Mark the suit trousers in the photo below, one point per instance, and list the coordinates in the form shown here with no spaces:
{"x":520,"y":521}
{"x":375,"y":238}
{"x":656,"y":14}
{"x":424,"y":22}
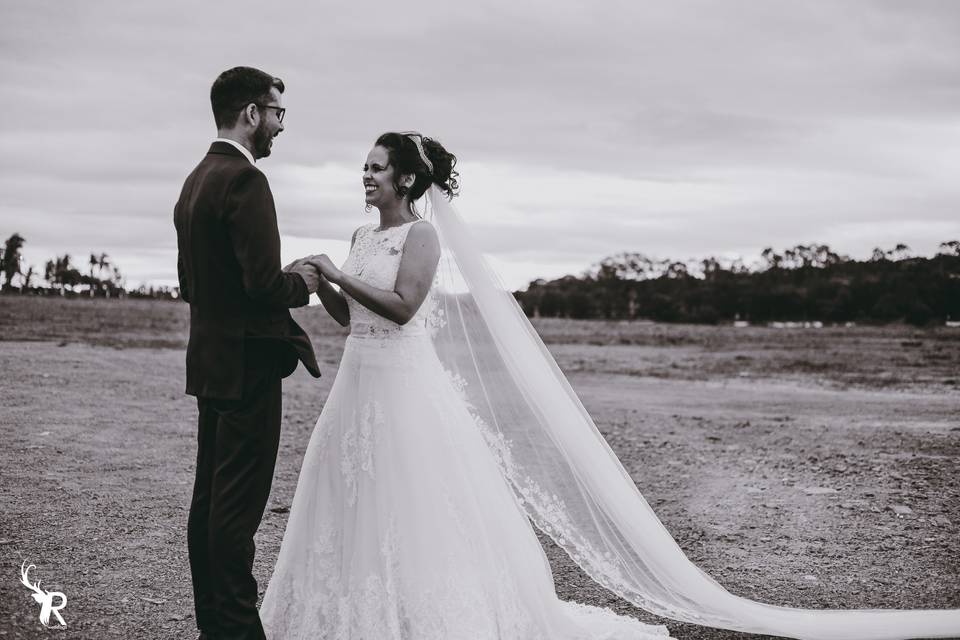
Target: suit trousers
{"x":236,"y":454}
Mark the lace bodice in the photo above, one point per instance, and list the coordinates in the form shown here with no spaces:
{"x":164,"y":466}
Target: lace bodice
{"x":375,"y":259}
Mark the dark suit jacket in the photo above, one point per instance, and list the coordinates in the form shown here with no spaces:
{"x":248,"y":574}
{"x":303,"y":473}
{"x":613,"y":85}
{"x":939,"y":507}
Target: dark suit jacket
{"x":229,"y":267}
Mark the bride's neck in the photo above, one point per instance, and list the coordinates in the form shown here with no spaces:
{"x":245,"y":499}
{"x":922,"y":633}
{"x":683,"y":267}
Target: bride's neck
{"x":396,"y":214}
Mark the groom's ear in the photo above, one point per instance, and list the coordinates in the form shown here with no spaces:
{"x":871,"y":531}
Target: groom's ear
{"x":251,"y":114}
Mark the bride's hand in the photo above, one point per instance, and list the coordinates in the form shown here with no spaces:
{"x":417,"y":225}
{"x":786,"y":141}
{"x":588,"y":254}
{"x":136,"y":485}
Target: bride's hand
{"x":325,"y":266}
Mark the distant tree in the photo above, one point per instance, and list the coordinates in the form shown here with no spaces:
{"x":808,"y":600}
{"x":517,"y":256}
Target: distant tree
{"x":61,"y":273}
{"x":677,"y":270}
{"x":899,"y":252}
{"x":63,"y":267}
{"x":11,"y":258}
{"x":772,"y":258}
{"x":119,"y":282}
{"x":50,"y":274}
{"x":737,"y":266}
{"x":103,"y":262}
{"x":803,"y":256}
{"x":28,"y":276}
{"x":93,"y":262}
{"x":70,"y":276}
{"x":823,"y":256}
{"x":711,"y":268}
{"x":790,"y":259}
{"x":950,"y":248}
{"x":624,"y":266}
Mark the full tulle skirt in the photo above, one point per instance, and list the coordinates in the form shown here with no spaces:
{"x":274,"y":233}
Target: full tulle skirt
{"x":403,"y":526}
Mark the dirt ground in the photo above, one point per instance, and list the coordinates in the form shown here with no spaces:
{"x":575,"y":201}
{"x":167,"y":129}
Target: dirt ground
{"x":814,"y":468}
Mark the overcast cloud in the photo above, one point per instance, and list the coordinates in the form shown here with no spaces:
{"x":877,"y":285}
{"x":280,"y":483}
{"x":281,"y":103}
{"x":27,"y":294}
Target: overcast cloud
{"x":677,"y":129}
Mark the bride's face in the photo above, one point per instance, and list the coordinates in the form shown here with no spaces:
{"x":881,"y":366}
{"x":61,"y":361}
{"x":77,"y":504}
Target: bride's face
{"x":378,"y":177}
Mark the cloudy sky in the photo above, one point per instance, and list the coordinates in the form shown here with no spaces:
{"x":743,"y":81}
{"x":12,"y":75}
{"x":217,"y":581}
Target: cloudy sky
{"x":675,"y":128}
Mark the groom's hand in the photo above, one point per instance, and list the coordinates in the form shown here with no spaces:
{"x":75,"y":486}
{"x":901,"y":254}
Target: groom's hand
{"x":325,"y":266}
{"x":306,"y":271}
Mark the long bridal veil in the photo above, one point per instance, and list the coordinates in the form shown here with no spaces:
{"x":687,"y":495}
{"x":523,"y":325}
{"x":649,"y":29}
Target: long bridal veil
{"x":569,"y":481}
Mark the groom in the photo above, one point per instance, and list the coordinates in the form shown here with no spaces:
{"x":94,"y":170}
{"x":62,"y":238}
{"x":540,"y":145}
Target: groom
{"x":242,"y":343}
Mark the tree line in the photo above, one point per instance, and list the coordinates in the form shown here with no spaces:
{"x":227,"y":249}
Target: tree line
{"x":63,"y":276}
{"x":98,"y":276}
{"x":802,"y":283}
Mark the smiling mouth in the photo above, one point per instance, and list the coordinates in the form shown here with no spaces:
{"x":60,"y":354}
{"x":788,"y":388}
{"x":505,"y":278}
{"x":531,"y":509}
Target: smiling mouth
{"x":369,"y":188}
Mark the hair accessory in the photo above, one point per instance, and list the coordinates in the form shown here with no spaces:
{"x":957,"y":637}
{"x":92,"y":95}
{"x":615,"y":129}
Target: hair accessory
{"x":418,"y":140}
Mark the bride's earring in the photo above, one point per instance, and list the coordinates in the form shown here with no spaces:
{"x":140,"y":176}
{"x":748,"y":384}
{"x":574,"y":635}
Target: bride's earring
{"x":368,"y":208}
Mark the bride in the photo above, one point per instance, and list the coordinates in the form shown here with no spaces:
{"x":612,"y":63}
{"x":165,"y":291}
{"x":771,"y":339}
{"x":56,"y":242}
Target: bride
{"x":448,"y":429}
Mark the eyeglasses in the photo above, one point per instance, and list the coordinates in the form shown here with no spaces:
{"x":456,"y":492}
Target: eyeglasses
{"x":280,"y":110}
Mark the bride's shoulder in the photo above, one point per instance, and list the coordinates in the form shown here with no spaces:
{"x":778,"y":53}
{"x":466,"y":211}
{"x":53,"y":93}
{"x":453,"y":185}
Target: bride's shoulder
{"x":422,"y":233}
{"x":422,"y":226}
{"x":422,"y":229}
{"x":358,"y":231}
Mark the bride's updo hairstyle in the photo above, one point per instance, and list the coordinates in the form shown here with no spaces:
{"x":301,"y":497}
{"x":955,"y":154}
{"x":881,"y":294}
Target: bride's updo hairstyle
{"x":434,"y":166}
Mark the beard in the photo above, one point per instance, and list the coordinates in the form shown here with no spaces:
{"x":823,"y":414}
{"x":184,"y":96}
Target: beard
{"x":261,"y":140}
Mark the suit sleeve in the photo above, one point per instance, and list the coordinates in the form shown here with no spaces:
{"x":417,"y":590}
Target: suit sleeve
{"x":182,"y":277}
{"x":251,"y":222}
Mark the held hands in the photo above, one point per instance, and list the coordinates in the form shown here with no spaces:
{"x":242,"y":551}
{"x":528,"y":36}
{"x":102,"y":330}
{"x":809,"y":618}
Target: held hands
{"x":322,"y":263}
{"x":306,"y":271}
{"x":313,"y":268}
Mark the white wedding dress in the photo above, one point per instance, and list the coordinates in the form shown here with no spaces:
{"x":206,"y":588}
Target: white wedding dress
{"x":403,"y":525}
{"x":441,"y":440}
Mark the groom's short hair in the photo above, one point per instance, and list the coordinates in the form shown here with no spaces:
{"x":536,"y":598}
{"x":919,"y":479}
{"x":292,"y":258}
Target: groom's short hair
{"x":235,"y":88}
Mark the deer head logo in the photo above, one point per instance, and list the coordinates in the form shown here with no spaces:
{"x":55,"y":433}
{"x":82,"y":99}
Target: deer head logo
{"x":43,"y":598}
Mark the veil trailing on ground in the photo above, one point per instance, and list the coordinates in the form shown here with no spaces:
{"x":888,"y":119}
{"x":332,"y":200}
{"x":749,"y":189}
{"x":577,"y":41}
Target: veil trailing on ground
{"x":569,"y":481}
